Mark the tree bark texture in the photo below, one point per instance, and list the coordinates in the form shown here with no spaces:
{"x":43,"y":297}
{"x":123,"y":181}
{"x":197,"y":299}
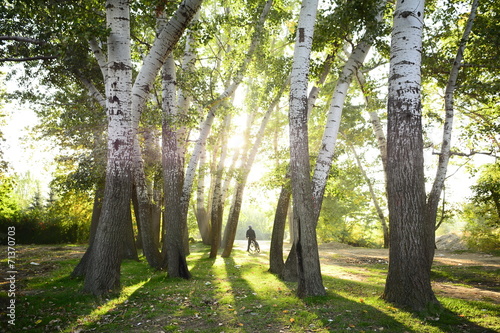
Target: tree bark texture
{"x":408,"y":282}
{"x":173,"y":176}
{"x":310,"y":282}
{"x":276,"y":262}
{"x":81,"y":268}
{"x":103,"y":273}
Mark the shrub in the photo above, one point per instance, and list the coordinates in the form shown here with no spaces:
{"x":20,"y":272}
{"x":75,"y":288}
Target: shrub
{"x":39,"y":226}
{"x":480,"y":233}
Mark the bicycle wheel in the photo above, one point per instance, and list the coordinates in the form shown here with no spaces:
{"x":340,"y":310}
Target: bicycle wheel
{"x":253,"y":248}
{"x":257,"y":247}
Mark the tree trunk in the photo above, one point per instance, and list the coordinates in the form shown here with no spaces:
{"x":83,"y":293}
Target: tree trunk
{"x":202,"y":215}
{"x":310,"y":282}
{"x":218,"y":196}
{"x":408,"y":282}
{"x":121,"y":98}
{"x":144,"y":218}
{"x":103,"y":269}
{"x":173,"y":177}
{"x":444,"y":156}
{"x":129,"y":243}
{"x":328,"y":143}
{"x":276,"y":262}
{"x":81,"y":268}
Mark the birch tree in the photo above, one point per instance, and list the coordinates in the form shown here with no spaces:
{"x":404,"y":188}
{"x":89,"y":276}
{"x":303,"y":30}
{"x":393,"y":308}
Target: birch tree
{"x":444,"y":156}
{"x":103,"y":270}
{"x":411,"y":235}
{"x":305,"y":242}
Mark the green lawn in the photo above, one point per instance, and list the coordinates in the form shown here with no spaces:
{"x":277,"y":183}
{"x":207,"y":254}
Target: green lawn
{"x":235,"y":294}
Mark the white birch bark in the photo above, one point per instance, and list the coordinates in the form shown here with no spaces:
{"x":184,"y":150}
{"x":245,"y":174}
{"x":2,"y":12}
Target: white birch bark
{"x":444,"y":157}
{"x":378,"y":129}
{"x":93,"y":92}
{"x":103,"y":273}
{"x":327,"y":150}
{"x":411,"y":236}
{"x":310,"y":282}
{"x":313,"y":94}
{"x":162,"y":46}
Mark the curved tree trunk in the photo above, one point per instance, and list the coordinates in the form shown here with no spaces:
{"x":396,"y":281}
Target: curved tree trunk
{"x":276,"y":262}
{"x":80,"y":269}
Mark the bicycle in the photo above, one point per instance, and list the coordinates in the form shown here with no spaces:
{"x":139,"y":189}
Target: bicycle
{"x":254,"y":247}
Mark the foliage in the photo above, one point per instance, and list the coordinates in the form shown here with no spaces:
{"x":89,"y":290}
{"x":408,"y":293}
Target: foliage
{"x":65,"y":220}
{"x":483,"y":214}
{"x":8,"y":206}
{"x":233,"y":295}
{"x":479,"y":234}
{"x":346,"y":216}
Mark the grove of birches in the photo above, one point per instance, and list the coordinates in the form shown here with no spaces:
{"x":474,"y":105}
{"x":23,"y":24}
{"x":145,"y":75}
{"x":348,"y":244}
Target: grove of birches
{"x":342,"y":121}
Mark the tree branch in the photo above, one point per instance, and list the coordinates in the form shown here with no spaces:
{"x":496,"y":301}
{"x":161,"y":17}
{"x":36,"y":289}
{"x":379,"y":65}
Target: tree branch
{"x":28,"y":58}
{"x":471,"y":153}
{"x":23,"y":39}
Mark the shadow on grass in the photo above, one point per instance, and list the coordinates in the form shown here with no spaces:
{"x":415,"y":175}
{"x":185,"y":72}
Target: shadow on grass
{"x":234,"y":294}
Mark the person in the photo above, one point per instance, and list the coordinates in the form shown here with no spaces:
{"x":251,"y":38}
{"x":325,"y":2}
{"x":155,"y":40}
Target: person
{"x":250,"y":236}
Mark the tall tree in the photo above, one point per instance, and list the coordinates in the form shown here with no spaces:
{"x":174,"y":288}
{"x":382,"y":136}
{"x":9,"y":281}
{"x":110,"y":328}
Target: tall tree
{"x":103,"y":270}
{"x":411,"y":235}
{"x":305,"y":242}
{"x":445,"y":154}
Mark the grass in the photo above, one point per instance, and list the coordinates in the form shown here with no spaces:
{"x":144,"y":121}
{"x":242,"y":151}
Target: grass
{"x":234,"y":294}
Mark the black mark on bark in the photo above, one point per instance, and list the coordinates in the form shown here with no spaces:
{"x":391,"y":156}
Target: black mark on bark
{"x":302,"y":35}
{"x":117,"y":143}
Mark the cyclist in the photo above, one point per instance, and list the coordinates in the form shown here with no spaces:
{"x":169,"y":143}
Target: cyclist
{"x":250,"y":236}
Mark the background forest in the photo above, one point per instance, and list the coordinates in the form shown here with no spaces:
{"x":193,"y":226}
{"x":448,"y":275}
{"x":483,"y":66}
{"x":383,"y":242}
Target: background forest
{"x":235,"y":62}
